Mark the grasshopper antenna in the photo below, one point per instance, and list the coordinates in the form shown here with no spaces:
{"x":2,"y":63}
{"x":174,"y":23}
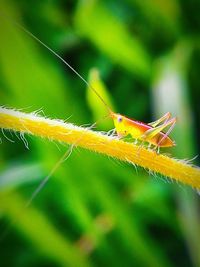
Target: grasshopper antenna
{"x":60,"y":58}
{"x":65,"y":156}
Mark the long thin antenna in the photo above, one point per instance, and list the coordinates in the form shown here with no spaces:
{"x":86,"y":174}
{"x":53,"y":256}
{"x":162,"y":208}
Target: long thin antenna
{"x":60,"y":58}
{"x":69,"y":151}
{"x":65,"y":156}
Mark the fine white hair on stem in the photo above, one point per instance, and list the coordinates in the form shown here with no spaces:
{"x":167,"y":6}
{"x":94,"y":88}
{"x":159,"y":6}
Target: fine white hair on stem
{"x":38,"y":112}
{"x":66,"y":120}
{"x":101,"y":143}
{"x":17,"y":134}
{"x":56,"y":144}
{"x":12,"y":141}
{"x":134,"y":165}
{"x":190,"y":161}
{"x":167,"y":180}
{"x":153,"y":174}
{"x":24,"y":140}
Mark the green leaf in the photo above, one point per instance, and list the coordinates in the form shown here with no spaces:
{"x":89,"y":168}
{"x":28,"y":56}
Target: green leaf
{"x":112,"y":38}
{"x":99,"y":110}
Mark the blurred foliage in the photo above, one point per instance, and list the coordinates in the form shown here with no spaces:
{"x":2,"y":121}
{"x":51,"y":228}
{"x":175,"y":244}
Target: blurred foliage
{"x":95,"y":211}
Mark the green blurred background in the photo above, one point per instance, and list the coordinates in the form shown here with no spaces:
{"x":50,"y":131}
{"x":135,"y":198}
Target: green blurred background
{"x":96,"y":211}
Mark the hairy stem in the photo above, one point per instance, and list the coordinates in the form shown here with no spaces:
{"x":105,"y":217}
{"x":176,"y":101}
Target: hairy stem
{"x":101,"y":143}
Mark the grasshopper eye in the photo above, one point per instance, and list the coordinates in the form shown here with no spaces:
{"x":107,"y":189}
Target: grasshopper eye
{"x":119,"y":119}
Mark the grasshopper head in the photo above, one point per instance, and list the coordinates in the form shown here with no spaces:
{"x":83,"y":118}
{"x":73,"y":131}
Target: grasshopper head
{"x":119,"y":122}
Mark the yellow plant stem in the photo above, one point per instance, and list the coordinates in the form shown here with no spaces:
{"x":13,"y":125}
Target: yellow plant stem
{"x":101,"y":143}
